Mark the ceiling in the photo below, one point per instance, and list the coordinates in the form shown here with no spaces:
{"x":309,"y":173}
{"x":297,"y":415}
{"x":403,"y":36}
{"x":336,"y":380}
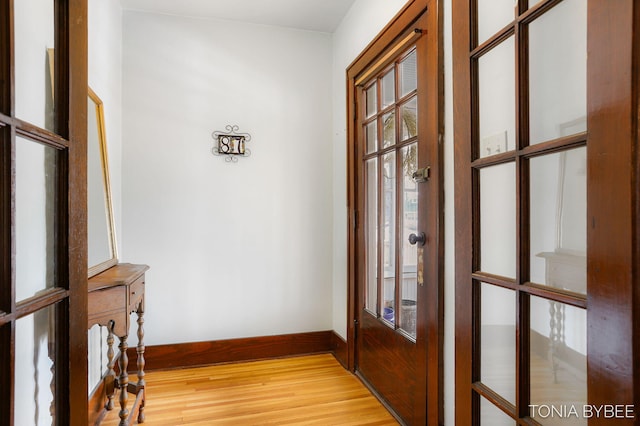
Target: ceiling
{"x":312,"y":15}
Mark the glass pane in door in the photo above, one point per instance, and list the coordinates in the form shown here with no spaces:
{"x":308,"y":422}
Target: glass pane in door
{"x":490,"y":415}
{"x":34,"y":368}
{"x":409,"y":283}
{"x":388,"y":89}
{"x":371,"y":95}
{"x":558,"y":72}
{"x":497,"y":94}
{"x":389,"y":236}
{"x":388,"y":129}
{"x":498,"y":220}
{"x":35,"y":204}
{"x":34,"y":35}
{"x":408,"y":78}
{"x":409,"y":119}
{"x":371,"y":131}
{"x":371,"y":220}
{"x":558,"y":220}
{"x":493,"y":15}
{"x":558,"y":357}
{"x":498,"y":340}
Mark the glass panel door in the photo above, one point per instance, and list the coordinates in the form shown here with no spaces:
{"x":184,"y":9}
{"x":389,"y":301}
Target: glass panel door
{"x":42,"y":191}
{"x":528,"y":166}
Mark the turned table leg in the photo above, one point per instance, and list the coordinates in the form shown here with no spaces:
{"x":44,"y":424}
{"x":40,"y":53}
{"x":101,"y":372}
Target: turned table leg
{"x":123,"y":382}
{"x":111,"y":374}
{"x":140,"y":363}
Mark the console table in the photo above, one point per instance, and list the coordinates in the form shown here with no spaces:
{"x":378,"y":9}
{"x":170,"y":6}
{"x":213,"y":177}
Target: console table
{"x":113,"y":295}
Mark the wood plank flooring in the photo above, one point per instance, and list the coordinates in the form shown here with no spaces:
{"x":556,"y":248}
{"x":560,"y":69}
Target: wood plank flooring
{"x":309,"y":390}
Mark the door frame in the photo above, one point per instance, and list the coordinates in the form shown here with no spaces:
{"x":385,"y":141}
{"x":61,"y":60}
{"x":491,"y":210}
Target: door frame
{"x":432,"y":321}
{"x":613,"y":206}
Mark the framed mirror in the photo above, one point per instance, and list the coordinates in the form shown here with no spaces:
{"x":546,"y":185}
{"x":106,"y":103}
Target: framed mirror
{"x":103,"y":252}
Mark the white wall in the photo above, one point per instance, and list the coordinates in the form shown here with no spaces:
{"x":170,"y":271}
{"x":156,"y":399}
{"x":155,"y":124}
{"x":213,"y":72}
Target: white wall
{"x":235,"y":250}
{"x":105,"y":78}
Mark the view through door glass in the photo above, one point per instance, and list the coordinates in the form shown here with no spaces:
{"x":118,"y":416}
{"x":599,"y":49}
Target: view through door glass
{"x":529,"y":171}
{"x":390,"y":129}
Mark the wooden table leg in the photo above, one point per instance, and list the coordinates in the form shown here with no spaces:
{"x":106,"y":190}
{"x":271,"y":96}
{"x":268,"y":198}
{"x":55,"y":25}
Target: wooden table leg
{"x":123,"y":381}
{"x":140,"y":353}
{"x":111,"y":374}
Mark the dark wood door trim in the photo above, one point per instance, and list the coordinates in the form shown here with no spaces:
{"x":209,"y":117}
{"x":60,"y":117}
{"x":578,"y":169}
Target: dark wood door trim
{"x":612,"y":209}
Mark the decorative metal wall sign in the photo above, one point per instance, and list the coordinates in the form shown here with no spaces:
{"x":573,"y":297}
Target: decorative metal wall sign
{"x":231,"y":144}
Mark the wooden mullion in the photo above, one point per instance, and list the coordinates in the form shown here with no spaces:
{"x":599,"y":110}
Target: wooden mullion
{"x":494,"y":160}
{"x":493,"y":41}
{"x":497,"y":280}
{"x":33,"y":304}
{"x":555,"y":145}
{"x":40,"y":135}
{"x":522,"y":214}
{"x":495,"y":398}
{"x":555,"y":294}
{"x":6,"y":57}
{"x":526,"y":15}
{"x":7,"y":372}
{"x":7,"y":220}
{"x":380,"y":230}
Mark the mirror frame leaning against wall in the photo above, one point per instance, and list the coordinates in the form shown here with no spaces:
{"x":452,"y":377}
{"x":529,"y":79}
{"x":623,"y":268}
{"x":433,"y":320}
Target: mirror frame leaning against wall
{"x":107,"y":207}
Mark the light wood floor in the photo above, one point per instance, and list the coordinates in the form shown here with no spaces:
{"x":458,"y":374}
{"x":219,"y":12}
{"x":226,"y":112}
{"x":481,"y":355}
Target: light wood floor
{"x":309,"y":390}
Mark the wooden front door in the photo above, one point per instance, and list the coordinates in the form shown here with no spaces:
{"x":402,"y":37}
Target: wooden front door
{"x":546,"y":211}
{"x":398,"y":240}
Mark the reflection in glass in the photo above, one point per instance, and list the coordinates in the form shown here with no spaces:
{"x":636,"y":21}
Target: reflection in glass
{"x":371,"y":298}
{"x":408,"y":74}
{"x":372,"y":100}
{"x":34,"y":368}
{"x":558,"y":356}
{"x":558,"y":71}
{"x":34,"y":34}
{"x":409,"y":117}
{"x":498,"y":340}
{"x":388,"y":89}
{"x":389,"y":236}
{"x":490,"y":415}
{"x":498,"y":220}
{"x":389,"y":129}
{"x":409,"y":285}
{"x":372,"y":136}
{"x":493,"y":15}
{"x":558,"y":219}
{"x":496,"y":92}
{"x":35,"y":202}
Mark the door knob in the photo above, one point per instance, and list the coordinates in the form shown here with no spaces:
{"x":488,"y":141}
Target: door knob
{"x":420,"y":238}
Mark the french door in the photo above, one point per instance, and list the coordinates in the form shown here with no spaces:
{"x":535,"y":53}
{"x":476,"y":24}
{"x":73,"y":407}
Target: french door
{"x":43,"y":280}
{"x":398,"y":196}
{"x":545,"y":158}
